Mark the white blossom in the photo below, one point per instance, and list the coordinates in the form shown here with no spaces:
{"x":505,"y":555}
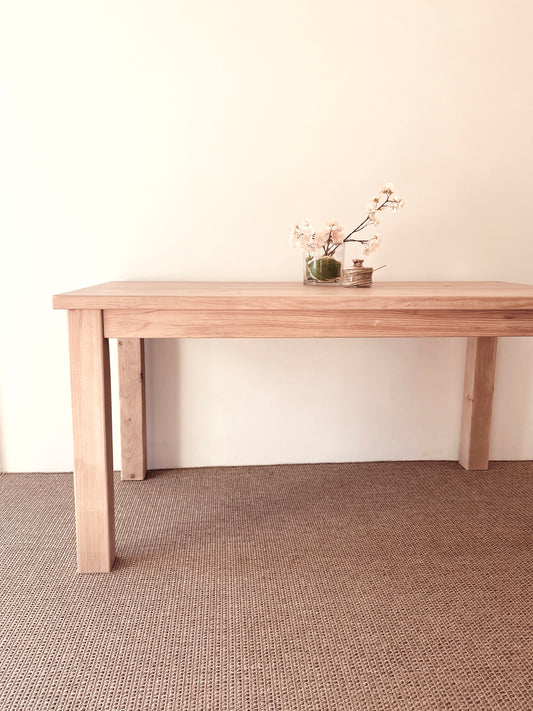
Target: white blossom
{"x":333,"y":232}
{"x":303,"y":235}
{"x":372,"y":244}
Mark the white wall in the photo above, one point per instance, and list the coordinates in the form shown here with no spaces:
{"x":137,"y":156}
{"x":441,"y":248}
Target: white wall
{"x":180,"y":140}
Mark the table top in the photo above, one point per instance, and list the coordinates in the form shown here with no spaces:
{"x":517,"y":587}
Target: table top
{"x":281,"y":296}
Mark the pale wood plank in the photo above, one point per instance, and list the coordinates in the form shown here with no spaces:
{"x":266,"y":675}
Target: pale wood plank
{"x":93,"y":450}
{"x":132,"y":408}
{"x":143,"y":323}
{"x":296,"y":296}
{"x":477,"y":402}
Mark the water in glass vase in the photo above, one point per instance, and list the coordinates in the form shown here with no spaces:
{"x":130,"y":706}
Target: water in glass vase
{"x":324,"y":270}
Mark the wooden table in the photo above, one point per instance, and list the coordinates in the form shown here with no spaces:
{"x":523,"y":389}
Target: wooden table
{"x":133,"y":311}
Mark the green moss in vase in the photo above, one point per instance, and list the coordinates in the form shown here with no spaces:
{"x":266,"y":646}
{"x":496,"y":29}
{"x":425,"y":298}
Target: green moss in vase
{"x":323,"y":268}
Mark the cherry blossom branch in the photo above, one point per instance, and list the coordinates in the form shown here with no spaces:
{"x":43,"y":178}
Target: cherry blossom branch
{"x":328,"y":240}
{"x":366,"y":220}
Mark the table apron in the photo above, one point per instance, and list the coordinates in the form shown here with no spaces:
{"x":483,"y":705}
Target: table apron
{"x":385,"y":323}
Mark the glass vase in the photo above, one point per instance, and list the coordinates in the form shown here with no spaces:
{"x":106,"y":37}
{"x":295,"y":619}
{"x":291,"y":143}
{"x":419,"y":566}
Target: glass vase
{"x":324,"y":270}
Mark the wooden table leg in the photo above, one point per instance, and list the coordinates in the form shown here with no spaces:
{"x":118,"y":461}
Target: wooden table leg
{"x":132,"y":407}
{"x":93,"y":449}
{"x":477,"y":402}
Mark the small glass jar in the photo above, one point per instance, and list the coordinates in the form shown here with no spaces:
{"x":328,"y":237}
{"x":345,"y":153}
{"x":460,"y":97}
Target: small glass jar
{"x":324,"y":270}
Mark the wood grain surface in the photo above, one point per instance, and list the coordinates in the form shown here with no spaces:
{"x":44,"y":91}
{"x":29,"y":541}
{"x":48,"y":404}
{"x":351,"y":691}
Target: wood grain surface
{"x":132,"y":407}
{"x":164,"y":323}
{"x":93,"y":446}
{"x":234,"y":296}
{"x":478,"y":393}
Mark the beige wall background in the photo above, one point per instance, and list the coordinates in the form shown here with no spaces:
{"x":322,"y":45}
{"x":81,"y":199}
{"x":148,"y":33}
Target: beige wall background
{"x":180,"y":140}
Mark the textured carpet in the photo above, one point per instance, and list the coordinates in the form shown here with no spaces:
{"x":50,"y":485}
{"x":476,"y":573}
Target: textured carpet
{"x":372,"y":587}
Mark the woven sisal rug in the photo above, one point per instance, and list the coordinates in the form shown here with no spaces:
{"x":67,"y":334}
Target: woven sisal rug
{"x":383,"y":586}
